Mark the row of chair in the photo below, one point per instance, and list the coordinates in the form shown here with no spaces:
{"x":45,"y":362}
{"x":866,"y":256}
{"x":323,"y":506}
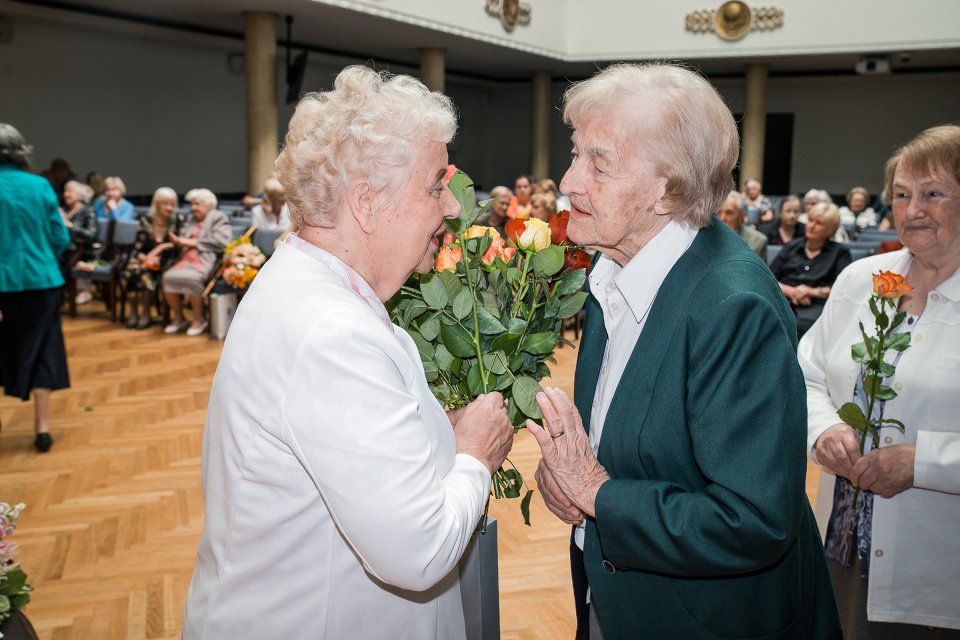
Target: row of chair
{"x":867,"y":244}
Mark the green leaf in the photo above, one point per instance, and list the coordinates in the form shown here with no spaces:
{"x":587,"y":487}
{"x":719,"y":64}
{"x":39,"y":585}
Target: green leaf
{"x":885,"y":393}
{"x":443,"y":358}
{"x":898,"y":320}
{"x":539,"y":343}
{"x":896,"y":424}
{"x":425,"y":347}
{"x":452,"y":283}
{"x":572,"y":305}
{"x":430,"y":328}
{"x":899,"y":342}
{"x":552,"y":308}
{"x":859,"y":352}
{"x":852,"y":414}
{"x":513,"y":275}
{"x":867,"y":344}
{"x":434,"y":292}
{"x":525,"y":390}
{"x":571,"y":282}
{"x":430,"y":371}
{"x":497,"y":362}
{"x":463,"y":303}
{"x":19,"y":601}
{"x":871,"y":384}
{"x":525,"y":507}
{"x":506,"y":342}
{"x":548,"y":261}
{"x":456,"y":339}
{"x":5,"y":605}
{"x":13,"y":582}
{"x":475,"y":380}
{"x":416,"y":309}
{"x":503,"y":382}
{"x":461,"y":186}
{"x":517,"y":326}
{"x":489,"y":325}
{"x":883,"y":322}
{"x":513,"y":412}
{"x":874,"y":309}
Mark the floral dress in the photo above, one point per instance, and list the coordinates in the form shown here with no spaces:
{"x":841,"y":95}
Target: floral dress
{"x":136,"y":275}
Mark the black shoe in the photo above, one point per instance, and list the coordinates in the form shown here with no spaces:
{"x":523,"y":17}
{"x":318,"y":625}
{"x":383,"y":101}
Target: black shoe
{"x":132,"y":321}
{"x":43,"y":442}
{"x":144,"y":323}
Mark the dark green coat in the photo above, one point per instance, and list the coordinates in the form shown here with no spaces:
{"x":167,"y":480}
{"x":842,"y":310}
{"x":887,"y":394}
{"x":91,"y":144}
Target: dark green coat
{"x":704,"y":530}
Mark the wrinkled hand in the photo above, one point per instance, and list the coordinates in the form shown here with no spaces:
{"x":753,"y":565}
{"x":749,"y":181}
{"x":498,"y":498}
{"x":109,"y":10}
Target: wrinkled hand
{"x":454,"y":415}
{"x":555,"y":499}
{"x":800,"y":296}
{"x":886,"y":471}
{"x":483,"y":431}
{"x":837,"y":449}
{"x":569,"y":457}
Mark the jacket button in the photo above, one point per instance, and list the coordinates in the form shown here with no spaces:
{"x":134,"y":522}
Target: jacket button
{"x":608,"y":566}
{"x":888,"y":440}
{"x":878,"y":553}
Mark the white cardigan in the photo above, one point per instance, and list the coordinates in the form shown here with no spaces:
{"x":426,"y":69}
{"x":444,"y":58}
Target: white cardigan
{"x":336,"y":504}
{"x":915,"y":562}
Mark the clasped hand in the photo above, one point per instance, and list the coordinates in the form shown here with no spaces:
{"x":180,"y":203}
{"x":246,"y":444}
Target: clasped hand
{"x":885,"y":471}
{"x":569,"y":475}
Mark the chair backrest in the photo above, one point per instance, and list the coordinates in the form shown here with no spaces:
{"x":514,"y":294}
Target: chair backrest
{"x":103,"y":230}
{"x":125,"y":232}
{"x":772,"y":251}
{"x":266,"y":239}
{"x":861,"y":249}
{"x":877,"y":236}
{"x":238,"y":228}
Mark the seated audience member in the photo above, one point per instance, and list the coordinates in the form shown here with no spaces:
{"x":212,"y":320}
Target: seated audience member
{"x":732,"y":215}
{"x":115,"y":206}
{"x":152,"y":253}
{"x":812,"y":198}
{"x":95,"y":181}
{"x":520,"y":203}
{"x":807,"y":267}
{"x":786,"y":227}
{"x":543,"y":205}
{"x":857,"y":212}
{"x":756,"y":206}
{"x":80,"y":219}
{"x":272,"y":212}
{"x":58,"y":174}
{"x":497,"y":213}
{"x":203,"y":240}
{"x":548,"y":185}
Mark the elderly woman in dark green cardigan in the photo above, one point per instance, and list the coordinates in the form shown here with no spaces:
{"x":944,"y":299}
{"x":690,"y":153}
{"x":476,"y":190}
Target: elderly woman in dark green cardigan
{"x":32,"y":236}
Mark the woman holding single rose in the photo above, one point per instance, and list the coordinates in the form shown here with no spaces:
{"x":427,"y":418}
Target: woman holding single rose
{"x":893,"y":555}
{"x":339,"y":494}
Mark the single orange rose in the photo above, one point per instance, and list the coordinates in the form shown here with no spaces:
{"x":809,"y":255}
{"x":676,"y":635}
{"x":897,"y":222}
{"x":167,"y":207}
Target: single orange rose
{"x":506,"y":253}
{"x":558,"y":227}
{"x":576,"y":259}
{"x":447,"y":258}
{"x":514,"y":229}
{"x":887,"y":284}
{"x":496,"y":250}
{"x":477,"y":231}
{"x":451,"y":169}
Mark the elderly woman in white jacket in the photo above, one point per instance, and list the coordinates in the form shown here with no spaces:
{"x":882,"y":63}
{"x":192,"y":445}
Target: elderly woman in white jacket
{"x":898,"y":573}
{"x":339,"y":495}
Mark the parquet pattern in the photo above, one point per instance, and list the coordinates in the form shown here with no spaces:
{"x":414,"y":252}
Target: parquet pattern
{"x":114,"y":511}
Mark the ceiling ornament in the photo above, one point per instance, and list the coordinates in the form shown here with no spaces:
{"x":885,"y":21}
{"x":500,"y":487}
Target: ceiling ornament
{"x":510,"y":12}
{"x":733,"y":20}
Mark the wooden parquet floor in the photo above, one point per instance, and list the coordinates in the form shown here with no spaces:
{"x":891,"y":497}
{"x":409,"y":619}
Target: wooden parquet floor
{"x":114,"y":511}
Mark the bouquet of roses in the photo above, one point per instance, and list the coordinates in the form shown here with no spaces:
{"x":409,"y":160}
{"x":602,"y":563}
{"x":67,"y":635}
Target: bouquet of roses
{"x":488,"y":317}
{"x":241,"y":262}
{"x":14,"y":590}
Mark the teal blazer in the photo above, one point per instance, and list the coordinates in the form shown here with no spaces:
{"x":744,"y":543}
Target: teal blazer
{"x":704,"y":530}
{"x":32,"y":233}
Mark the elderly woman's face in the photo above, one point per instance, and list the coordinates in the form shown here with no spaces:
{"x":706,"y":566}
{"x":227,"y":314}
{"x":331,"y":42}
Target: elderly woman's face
{"x":165,"y":208}
{"x":810,"y":203}
{"x":200,"y":208}
{"x":753,"y":190}
{"x":112,"y":191}
{"x":818,"y":229}
{"x":730,"y":214}
{"x":539,"y":210}
{"x":858,"y":202}
{"x":410,"y":227}
{"x":70,"y":197}
{"x":926,"y":212}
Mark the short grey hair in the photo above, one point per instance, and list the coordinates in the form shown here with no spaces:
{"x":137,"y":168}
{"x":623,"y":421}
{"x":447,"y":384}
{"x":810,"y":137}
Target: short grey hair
{"x":820,"y":194}
{"x":203,"y":195}
{"x":697,"y":146}
{"x":366,"y":129}
{"x":13,"y":148}
{"x":83,"y":191}
{"x":736,"y":197}
{"x":830,"y":214}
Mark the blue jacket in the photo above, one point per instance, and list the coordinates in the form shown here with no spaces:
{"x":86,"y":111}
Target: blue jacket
{"x":124,"y":211}
{"x":32,"y":233}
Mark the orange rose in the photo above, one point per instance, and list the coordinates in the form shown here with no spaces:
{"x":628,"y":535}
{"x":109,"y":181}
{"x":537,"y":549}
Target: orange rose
{"x":476,"y":231}
{"x":447,"y":258}
{"x":497,"y":250}
{"x":451,"y":169}
{"x":514,"y":229}
{"x":576,"y":259}
{"x":558,"y":227}
{"x":887,"y":284}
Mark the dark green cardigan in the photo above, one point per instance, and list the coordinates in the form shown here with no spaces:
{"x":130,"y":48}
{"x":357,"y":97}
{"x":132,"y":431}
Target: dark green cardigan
{"x":704,"y":530}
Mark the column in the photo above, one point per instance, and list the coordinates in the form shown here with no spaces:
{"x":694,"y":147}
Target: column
{"x":433,"y":69}
{"x":540,"y":125}
{"x":754,"y":124}
{"x":260,"y":61}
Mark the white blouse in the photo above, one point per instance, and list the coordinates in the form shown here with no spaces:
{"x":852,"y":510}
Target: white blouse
{"x":915,"y":563}
{"x":336,"y":504}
